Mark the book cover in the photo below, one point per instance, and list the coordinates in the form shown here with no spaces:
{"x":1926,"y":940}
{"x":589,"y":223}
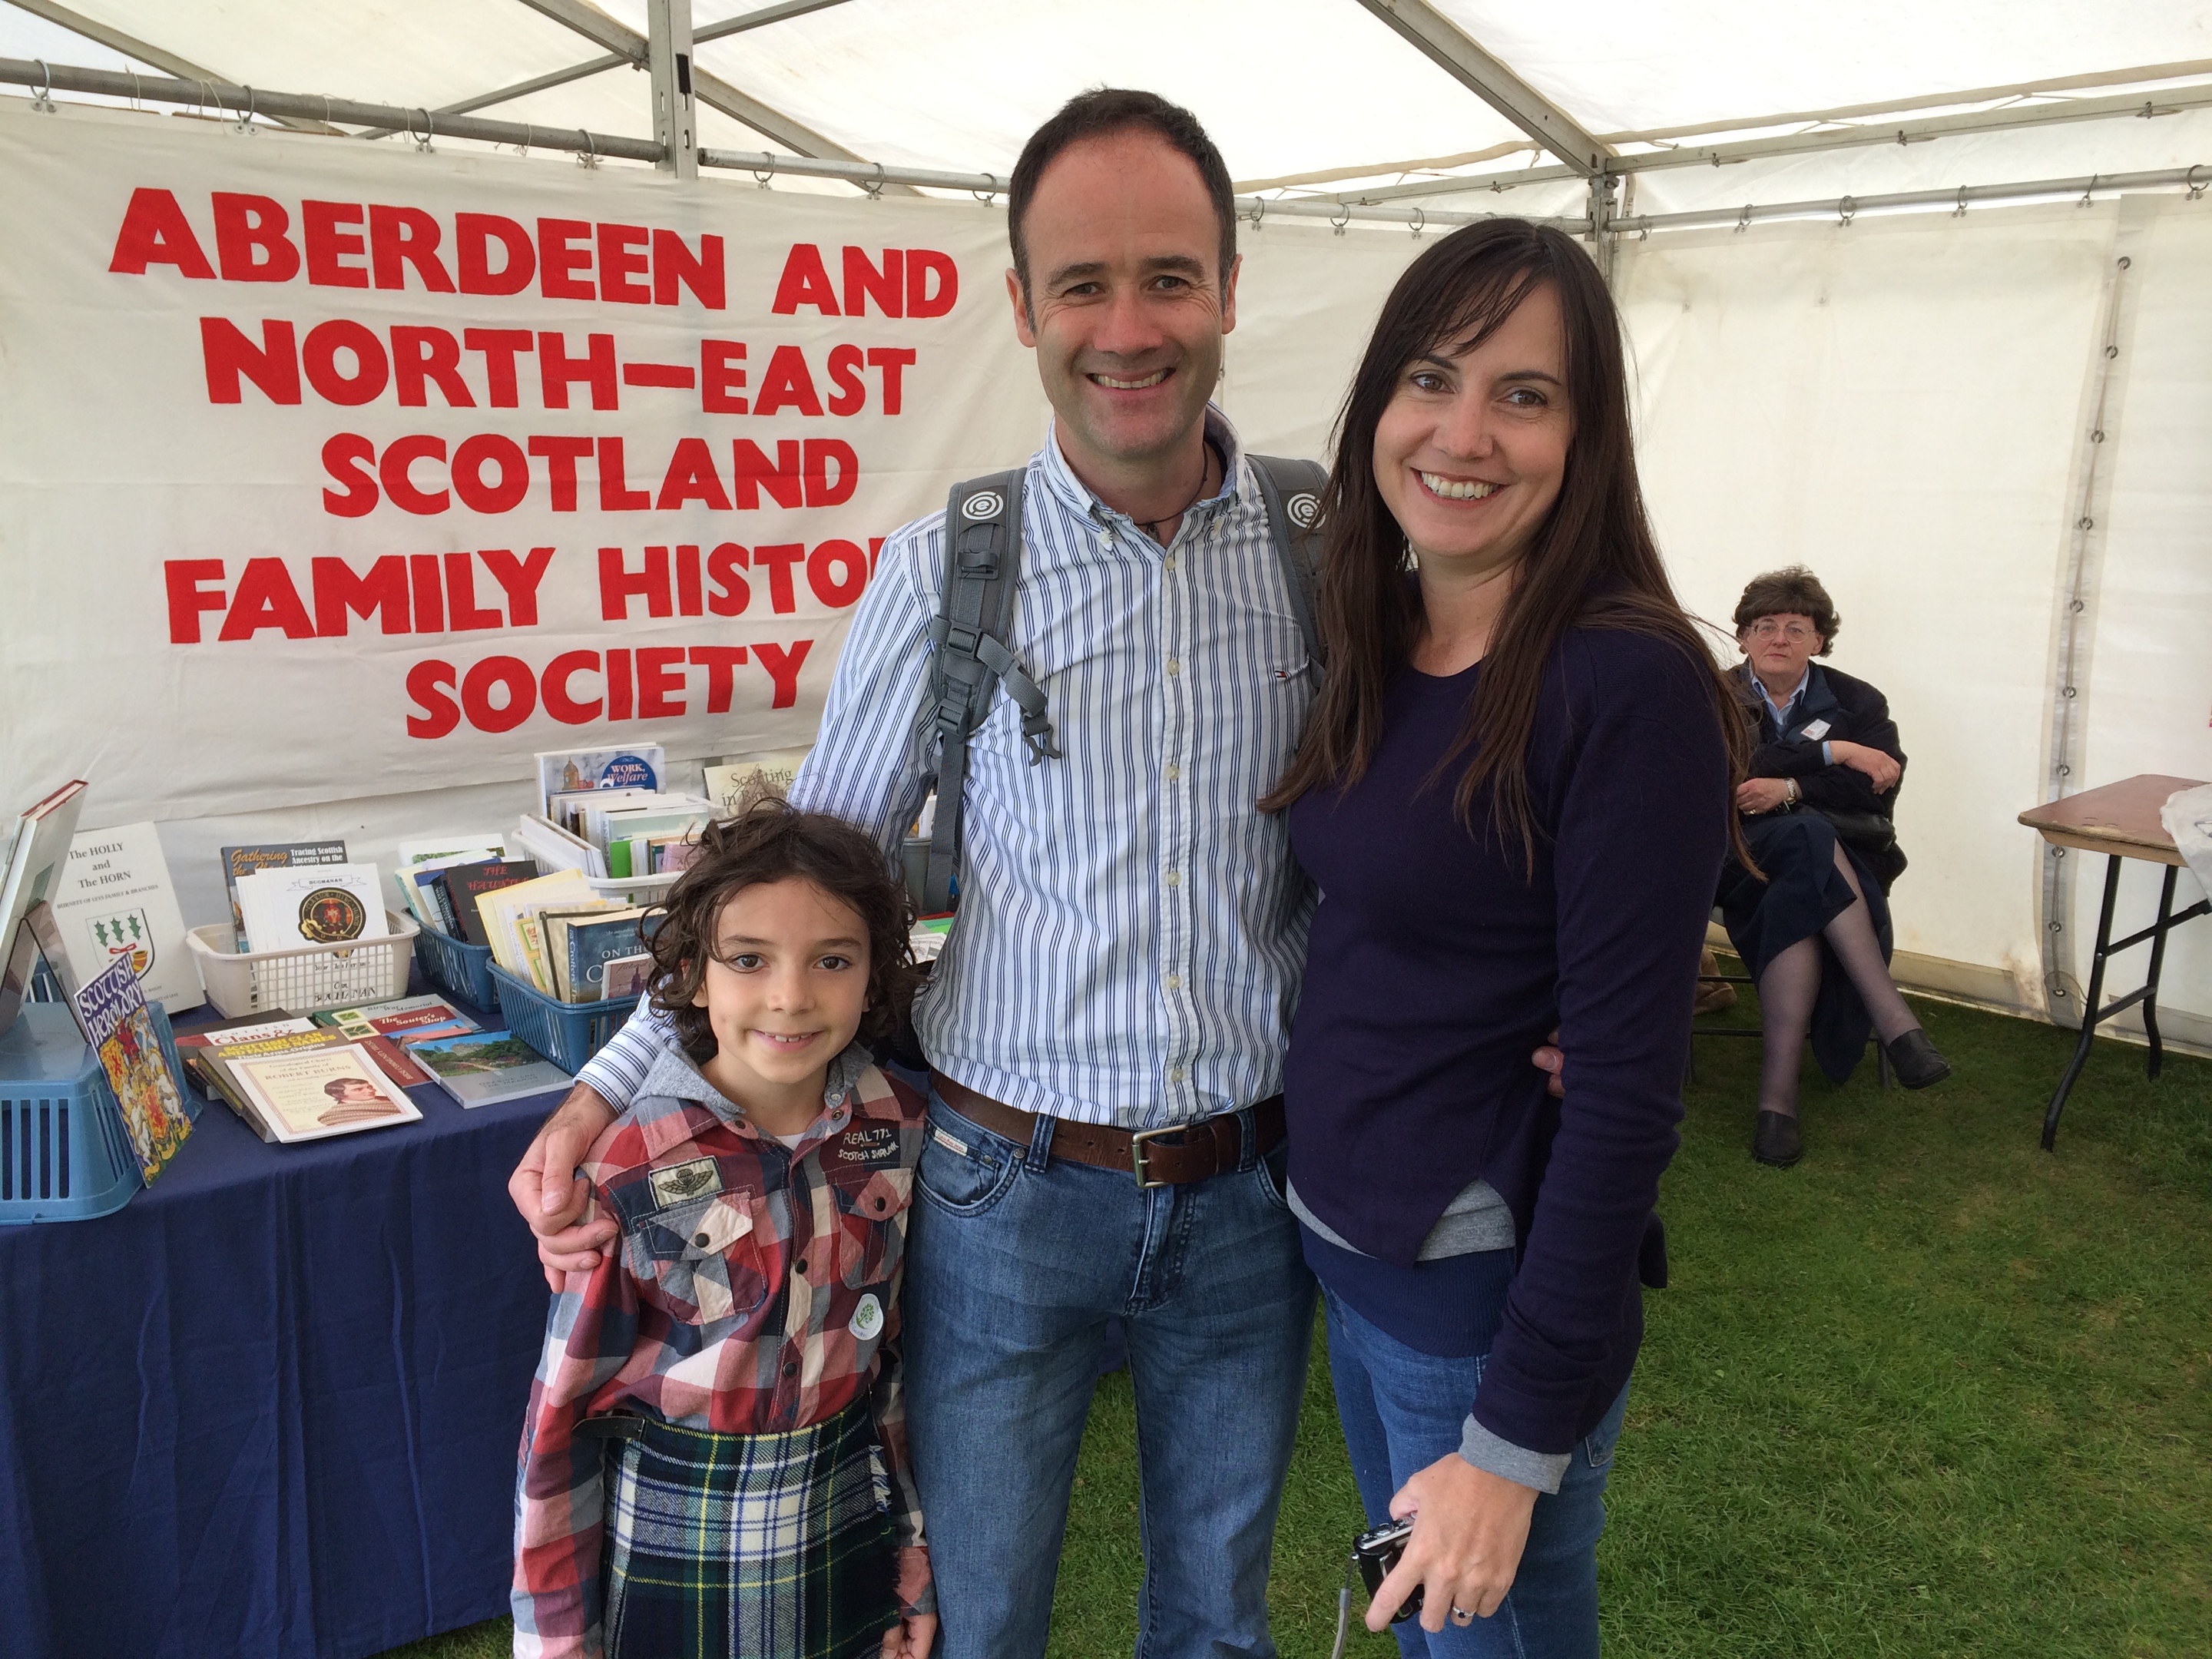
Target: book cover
{"x":287,"y":907}
{"x":243,"y":861}
{"x":396,"y":1019}
{"x":626,"y":977}
{"x":562,"y":771}
{"x":113,"y":1011}
{"x":556,"y":924}
{"x":593,"y":944}
{"x":419,"y":857}
{"x":321,"y":1092}
{"x":114,"y":897}
{"x":737,"y":784}
{"x":502,"y":907}
{"x":468,"y":883}
{"x":485,"y":1067}
{"x":35,"y":861}
{"x":386,"y":1053}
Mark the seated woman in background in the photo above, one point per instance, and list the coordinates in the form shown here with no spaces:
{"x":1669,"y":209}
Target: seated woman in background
{"x":1816,"y":809}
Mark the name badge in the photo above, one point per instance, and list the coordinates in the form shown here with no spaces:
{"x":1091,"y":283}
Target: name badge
{"x":1814,"y":731}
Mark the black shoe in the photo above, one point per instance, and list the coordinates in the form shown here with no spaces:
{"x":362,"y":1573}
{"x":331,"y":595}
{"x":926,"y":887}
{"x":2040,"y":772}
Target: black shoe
{"x":1776,"y":1140}
{"x":1916,"y":1060}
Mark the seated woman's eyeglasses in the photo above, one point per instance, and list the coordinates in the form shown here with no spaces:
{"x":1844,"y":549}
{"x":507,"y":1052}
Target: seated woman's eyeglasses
{"x":1767,"y":629}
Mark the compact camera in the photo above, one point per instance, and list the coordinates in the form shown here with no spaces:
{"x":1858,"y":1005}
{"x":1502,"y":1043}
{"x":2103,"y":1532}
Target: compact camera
{"x":1376,"y":1551}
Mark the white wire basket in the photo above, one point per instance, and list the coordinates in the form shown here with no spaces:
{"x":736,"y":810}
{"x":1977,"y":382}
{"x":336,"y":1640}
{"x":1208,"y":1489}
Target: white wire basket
{"x":307,"y":977}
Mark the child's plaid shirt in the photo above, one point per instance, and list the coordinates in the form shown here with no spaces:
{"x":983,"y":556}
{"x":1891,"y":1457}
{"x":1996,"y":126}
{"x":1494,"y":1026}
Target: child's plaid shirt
{"x":756,"y":1289}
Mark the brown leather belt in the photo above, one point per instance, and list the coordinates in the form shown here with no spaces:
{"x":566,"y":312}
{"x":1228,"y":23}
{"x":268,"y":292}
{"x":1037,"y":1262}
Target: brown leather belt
{"x":1157,"y":1158}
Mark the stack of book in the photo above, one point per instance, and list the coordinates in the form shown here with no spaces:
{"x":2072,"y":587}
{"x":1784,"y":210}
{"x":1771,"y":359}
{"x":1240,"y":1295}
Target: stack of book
{"x":292,"y":1078}
{"x":571,"y":942}
{"x":290,"y":1081}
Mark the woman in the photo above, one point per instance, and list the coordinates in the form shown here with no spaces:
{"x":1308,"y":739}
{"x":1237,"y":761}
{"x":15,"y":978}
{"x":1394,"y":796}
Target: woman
{"x":1817,"y":810}
{"x":1514,"y":797}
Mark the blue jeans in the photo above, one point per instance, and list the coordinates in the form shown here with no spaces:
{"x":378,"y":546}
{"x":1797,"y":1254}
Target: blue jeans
{"x":1402,"y":1410}
{"x":1015,"y":1263}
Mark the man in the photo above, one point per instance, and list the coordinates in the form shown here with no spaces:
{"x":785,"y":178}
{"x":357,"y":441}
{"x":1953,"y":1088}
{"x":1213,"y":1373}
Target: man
{"x":1130,"y":939}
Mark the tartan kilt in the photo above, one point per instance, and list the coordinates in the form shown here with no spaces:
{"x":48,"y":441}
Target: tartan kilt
{"x":749,"y":1546}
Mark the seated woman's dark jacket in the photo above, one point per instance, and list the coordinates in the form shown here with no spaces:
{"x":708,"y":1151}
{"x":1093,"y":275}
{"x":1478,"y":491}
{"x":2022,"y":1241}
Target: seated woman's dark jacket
{"x":1846,"y":710}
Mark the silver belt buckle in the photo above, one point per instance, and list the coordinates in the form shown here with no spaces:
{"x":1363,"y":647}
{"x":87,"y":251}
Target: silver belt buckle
{"x":1137,"y":1140}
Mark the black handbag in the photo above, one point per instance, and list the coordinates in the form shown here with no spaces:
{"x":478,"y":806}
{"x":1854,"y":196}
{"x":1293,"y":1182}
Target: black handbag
{"x":1872,"y":836}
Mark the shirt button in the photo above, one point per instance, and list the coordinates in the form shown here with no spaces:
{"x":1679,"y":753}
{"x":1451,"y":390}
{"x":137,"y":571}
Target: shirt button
{"x":1174,"y":668}
{"x":1175,"y":1075}
{"x":1175,"y":879}
{"x":799,"y":1266}
{"x":1174,"y":772}
{"x":790,"y":1368}
{"x":701,"y":1240}
{"x":1174,"y":981}
{"x":1171,"y":564}
{"x":879,"y":1207}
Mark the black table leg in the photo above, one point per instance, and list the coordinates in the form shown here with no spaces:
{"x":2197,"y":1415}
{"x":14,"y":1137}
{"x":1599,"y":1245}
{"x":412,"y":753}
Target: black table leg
{"x":2090,"y":1009}
{"x":2158,"y":961}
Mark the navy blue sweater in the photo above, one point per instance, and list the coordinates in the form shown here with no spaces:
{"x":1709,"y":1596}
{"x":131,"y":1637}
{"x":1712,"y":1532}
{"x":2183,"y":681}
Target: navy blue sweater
{"x":1436,"y":964}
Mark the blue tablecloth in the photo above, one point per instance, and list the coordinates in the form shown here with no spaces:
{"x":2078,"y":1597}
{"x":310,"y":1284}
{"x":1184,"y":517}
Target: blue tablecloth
{"x":269,"y":1408}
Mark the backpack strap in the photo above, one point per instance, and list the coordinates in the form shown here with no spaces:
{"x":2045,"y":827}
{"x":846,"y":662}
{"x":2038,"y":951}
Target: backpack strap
{"x":1291,"y":490}
{"x":976,"y":610}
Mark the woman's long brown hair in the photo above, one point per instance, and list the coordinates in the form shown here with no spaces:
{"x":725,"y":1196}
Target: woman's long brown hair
{"x":1592,"y":562}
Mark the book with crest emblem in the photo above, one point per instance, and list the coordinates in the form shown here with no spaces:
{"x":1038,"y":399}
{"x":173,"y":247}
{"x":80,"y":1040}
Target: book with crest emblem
{"x":288,"y":906}
{"x":113,"y":898}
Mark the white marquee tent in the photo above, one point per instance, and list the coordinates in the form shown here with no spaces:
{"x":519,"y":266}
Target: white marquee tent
{"x":1917,"y":295}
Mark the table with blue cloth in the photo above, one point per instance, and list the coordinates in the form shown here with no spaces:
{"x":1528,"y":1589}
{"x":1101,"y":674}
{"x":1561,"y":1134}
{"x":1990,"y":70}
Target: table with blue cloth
{"x":269,"y":1408}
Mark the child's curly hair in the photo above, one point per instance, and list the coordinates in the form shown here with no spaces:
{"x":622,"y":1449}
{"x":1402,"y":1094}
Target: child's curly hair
{"x":772,"y":841}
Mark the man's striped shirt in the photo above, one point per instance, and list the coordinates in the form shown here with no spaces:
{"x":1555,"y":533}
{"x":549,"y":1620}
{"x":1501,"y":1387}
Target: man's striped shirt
{"x":1132,"y":930}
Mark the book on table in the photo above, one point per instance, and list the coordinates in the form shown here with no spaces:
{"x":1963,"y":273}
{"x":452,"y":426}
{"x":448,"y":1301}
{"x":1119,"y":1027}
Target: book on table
{"x":564,"y":771}
{"x":314,"y":1093}
{"x":214,"y":1066}
{"x":289,"y":906}
{"x":403,"y":1019}
{"x":113,"y":899}
{"x":483,"y":1068}
{"x":585,"y":943}
{"x":466,"y":884}
{"x":270,"y":855}
{"x":36,"y":855}
{"x":112,"y":1013}
{"x":735,"y":785}
{"x":425,"y":856}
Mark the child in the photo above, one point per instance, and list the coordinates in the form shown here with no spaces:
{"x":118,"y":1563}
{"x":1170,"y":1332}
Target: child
{"x":735,"y":1363}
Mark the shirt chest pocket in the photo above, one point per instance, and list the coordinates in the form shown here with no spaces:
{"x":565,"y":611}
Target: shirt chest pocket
{"x":869,"y":1211}
{"x":706,"y":1259}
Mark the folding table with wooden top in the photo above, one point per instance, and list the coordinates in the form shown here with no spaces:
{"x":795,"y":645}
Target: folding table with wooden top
{"x":2120,"y":820}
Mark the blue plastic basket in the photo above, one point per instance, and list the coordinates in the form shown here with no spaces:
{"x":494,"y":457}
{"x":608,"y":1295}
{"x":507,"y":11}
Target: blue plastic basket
{"x":455,"y":966}
{"x":566,"y":1033}
{"x":64,"y":1155}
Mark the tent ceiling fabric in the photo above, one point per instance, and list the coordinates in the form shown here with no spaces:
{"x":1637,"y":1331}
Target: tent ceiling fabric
{"x":1287,"y":87}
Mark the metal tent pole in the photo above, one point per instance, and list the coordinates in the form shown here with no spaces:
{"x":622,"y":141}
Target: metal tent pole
{"x":2194,"y":179}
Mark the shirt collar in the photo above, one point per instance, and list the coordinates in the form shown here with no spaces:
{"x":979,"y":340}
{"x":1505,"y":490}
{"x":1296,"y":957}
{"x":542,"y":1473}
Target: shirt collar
{"x":1075,"y":495}
{"x":674,"y":1075}
{"x":1781,"y":709}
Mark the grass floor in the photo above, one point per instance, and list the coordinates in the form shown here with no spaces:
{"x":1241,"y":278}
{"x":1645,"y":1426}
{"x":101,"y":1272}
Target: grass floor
{"x":1933,"y":1392}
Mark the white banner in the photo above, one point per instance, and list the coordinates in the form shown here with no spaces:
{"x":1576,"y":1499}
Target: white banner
{"x":333,"y":469}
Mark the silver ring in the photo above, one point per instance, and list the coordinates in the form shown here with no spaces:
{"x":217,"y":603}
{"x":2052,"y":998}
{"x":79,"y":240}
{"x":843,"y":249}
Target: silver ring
{"x":1462,"y":1616}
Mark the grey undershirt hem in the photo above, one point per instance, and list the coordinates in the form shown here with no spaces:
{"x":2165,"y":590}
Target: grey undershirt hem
{"x":1542,"y":1470}
{"x":1475,"y":1220}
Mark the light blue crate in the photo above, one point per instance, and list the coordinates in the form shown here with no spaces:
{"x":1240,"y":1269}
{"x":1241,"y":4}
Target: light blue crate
{"x":64,"y":1155}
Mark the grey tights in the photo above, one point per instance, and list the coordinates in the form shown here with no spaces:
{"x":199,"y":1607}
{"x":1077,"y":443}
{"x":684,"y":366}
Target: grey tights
{"x":1792,"y":980}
